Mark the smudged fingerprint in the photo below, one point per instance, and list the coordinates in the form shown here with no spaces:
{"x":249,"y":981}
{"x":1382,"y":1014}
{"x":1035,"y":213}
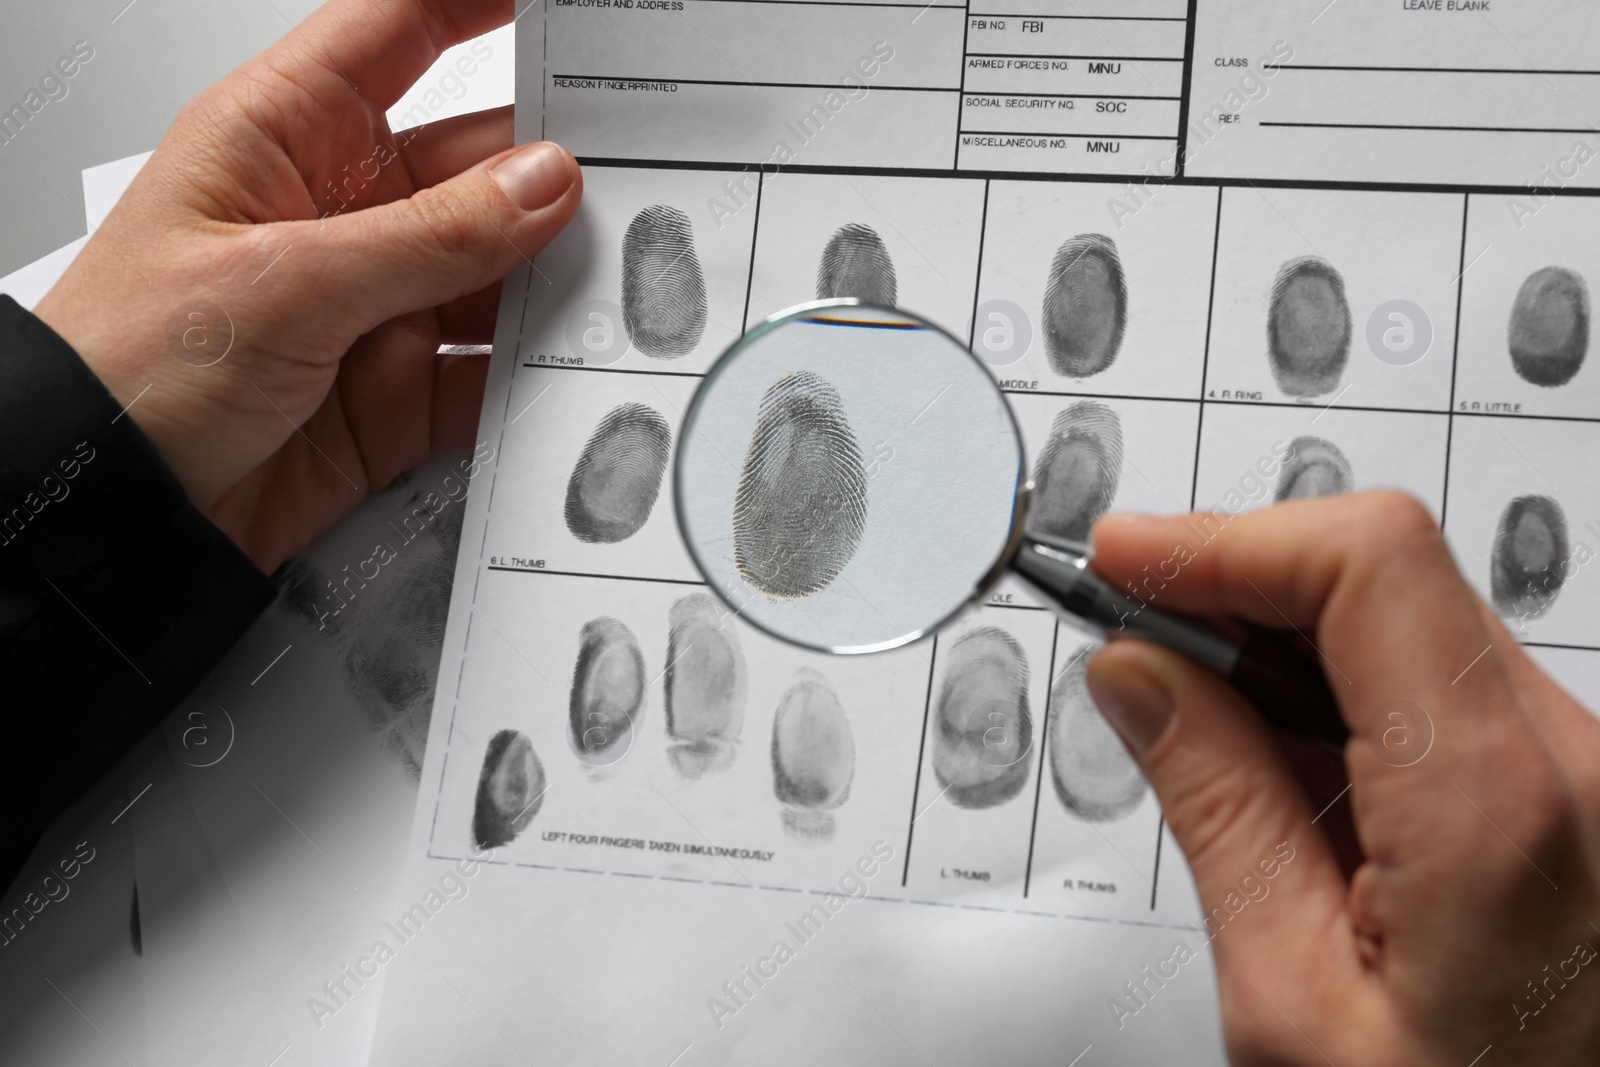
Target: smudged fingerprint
{"x":1308,"y":327}
{"x":510,"y":790}
{"x":1090,"y":767}
{"x":856,"y":264}
{"x":1085,"y":306}
{"x":813,"y":756}
{"x":982,"y":731}
{"x":617,"y":478}
{"x":706,"y":685}
{"x":1314,"y":467}
{"x":801,"y":506}
{"x":1075,"y":477}
{"x":663,"y":289}
{"x":608,"y":691}
{"x":1548,"y":332}
{"x":1530,"y":550}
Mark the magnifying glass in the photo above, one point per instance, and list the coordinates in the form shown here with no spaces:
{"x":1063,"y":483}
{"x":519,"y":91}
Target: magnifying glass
{"x":850,"y":477}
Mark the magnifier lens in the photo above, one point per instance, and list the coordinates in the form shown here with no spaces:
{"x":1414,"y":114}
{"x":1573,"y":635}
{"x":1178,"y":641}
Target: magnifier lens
{"x":846,"y":476}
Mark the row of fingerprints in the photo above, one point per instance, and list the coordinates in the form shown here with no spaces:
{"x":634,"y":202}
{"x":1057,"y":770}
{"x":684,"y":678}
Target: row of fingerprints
{"x":985,"y":710}
{"x":1231,"y":293}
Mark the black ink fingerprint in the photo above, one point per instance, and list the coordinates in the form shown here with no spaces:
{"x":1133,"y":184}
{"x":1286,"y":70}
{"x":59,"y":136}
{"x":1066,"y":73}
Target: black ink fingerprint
{"x":1548,"y":332}
{"x":706,"y":684}
{"x":1308,"y":327}
{"x":801,"y":506}
{"x":135,"y":935}
{"x":1075,"y":477}
{"x":856,"y":264}
{"x":1085,"y":306}
{"x":618,"y":475}
{"x":663,"y":290}
{"x":1314,"y":467}
{"x":510,"y":790}
{"x":982,"y":731}
{"x":1530,"y":551}
{"x":813,"y":756}
{"x":608,"y":691}
{"x":1090,"y":767}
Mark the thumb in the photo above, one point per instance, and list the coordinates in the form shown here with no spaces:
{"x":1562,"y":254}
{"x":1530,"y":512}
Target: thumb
{"x":1226,"y":791}
{"x":449,"y":239}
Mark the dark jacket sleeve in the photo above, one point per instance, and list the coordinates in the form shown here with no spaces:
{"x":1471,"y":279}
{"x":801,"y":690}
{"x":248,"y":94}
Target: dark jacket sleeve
{"x":116,"y":595}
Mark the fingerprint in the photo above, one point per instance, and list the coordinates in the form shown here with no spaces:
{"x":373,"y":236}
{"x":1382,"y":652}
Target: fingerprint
{"x":663,"y":290}
{"x":982,"y":730}
{"x":855,"y":264}
{"x":618,"y":475}
{"x":1308,"y":327}
{"x":1085,"y":306}
{"x":1076,"y":474}
{"x":608,"y":690}
{"x":801,"y":506}
{"x":1090,"y":767}
{"x":1548,"y":332}
{"x":1530,"y":551}
{"x":1313,"y":467}
{"x":706,"y":684}
{"x":510,"y":789}
{"x":813,"y":756}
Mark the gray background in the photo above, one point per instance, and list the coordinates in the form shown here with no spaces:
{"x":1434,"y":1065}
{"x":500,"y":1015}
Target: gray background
{"x":147,"y":64}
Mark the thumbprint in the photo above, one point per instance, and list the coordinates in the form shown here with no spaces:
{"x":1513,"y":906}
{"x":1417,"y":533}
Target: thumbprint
{"x":1313,"y":467}
{"x":1092,"y":772}
{"x":608,"y":690}
{"x":801,"y":506}
{"x":813,"y":756}
{"x":618,"y":475}
{"x":1085,"y":306}
{"x":663,"y":290}
{"x":1549,"y":328}
{"x":1530,"y":551}
{"x":1075,"y":477}
{"x":706,"y":683}
{"x":510,"y":789}
{"x":855,"y":263}
{"x":1308,"y":327}
{"x":982,"y":730}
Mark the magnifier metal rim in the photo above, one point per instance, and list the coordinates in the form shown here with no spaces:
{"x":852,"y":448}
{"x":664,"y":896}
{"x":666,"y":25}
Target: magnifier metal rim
{"x":750,"y":336}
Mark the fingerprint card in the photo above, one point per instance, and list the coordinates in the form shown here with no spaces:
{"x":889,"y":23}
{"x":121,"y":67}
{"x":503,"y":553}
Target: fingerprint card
{"x":1525,"y":307}
{"x":1329,"y":298}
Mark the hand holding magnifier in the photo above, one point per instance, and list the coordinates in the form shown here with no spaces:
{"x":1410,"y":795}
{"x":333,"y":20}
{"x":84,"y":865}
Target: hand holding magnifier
{"x":850,"y":477}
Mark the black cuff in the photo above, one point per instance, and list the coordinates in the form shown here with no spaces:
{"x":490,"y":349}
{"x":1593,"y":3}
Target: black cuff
{"x":116,"y":595}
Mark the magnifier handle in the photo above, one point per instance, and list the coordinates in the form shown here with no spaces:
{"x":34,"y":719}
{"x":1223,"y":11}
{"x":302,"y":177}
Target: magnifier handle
{"x":1268,"y":667}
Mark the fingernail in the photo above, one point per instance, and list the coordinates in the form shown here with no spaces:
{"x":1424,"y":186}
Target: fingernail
{"x":1136,"y":706}
{"x":536,"y":176}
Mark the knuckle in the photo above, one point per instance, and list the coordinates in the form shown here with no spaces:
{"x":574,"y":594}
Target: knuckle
{"x":1399,"y":515}
{"x":446,"y":223}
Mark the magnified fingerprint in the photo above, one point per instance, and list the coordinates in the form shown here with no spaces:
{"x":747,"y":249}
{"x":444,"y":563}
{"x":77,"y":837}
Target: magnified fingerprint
{"x":510,"y":789}
{"x":1085,"y":306}
{"x":663,"y":290}
{"x":1548,"y":332}
{"x":706,"y":684}
{"x":1075,"y":477}
{"x":982,"y":731}
{"x":1313,"y":467}
{"x":608,"y":691}
{"x":1530,"y":550}
{"x":801,"y":505}
{"x":813,"y":756}
{"x":1090,"y":767}
{"x":855,"y":263}
{"x":1308,"y":327}
{"x":618,"y":475}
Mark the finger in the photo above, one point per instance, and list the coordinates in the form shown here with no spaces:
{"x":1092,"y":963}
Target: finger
{"x":458,"y":400}
{"x":440,"y":150}
{"x":470,"y":319}
{"x":1228,"y":795}
{"x":385,"y":388}
{"x":443,"y":242}
{"x":380,"y":47}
